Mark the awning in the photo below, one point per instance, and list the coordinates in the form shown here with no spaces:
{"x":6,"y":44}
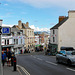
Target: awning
{"x":8,"y":46}
{"x":37,"y":45}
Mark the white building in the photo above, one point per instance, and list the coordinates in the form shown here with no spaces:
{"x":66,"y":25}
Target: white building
{"x":14,"y":41}
{"x":36,"y":40}
{"x":63,"y":33}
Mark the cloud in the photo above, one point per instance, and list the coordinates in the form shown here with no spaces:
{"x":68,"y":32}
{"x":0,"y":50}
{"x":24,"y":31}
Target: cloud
{"x":48,"y":3}
{"x":39,"y":29}
{"x":7,"y":25}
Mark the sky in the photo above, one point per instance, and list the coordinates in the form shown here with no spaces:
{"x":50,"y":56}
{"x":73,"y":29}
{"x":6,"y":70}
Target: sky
{"x":41,"y":14}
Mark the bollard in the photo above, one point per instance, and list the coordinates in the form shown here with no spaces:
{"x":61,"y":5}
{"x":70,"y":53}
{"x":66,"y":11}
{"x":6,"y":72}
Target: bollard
{"x":14,"y":64}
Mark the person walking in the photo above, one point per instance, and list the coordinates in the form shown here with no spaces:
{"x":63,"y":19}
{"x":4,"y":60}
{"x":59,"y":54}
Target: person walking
{"x":8,"y":57}
{"x":3,"y":58}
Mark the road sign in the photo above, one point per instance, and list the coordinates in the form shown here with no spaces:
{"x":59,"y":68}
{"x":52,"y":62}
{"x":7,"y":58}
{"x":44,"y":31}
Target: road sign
{"x":5,"y":30}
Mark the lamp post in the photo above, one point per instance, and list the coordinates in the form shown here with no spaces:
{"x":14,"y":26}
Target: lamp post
{"x":1,"y":68}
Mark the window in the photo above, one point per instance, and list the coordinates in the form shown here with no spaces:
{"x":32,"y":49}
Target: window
{"x":53,"y":32}
{"x":30,"y":32}
{"x":62,"y":52}
{"x":8,"y":42}
{"x":53,"y":39}
{"x":5,"y":42}
{"x":16,"y":41}
{"x":21,"y":41}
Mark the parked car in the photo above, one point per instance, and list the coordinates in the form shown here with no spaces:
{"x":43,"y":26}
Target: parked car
{"x":67,"y":48}
{"x":67,"y":57}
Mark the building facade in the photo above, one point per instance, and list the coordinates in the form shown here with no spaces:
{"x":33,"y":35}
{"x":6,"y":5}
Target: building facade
{"x":42,"y":39}
{"x":28,"y":33}
{"x":14,"y":41}
{"x":62,"y":34}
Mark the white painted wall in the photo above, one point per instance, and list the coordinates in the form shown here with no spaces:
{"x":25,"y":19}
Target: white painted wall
{"x":54,"y":35}
{"x":3,"y":42}
{"x":67,"y":33}
{"x":10,"y":41}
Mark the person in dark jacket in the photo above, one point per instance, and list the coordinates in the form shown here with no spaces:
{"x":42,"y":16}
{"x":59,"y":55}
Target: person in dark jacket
{"x":8,"y":57}
{"x":3,"y":58}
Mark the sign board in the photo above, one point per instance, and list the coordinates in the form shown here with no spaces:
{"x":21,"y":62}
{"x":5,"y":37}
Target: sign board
{"x":5,"y":30}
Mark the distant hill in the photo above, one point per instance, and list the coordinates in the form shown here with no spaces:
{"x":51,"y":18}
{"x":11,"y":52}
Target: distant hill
{"x":40,"y":32}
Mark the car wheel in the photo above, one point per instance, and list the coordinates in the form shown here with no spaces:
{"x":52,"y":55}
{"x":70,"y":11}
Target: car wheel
{"x":69,"y":63}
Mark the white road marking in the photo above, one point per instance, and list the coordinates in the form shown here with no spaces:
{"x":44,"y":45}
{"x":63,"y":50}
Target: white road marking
{"x":51,"y":62}
{"x":24,"y":70}
{"x":19,"y":71}
{"x":70,"y":69}
{"x":39,"y":59}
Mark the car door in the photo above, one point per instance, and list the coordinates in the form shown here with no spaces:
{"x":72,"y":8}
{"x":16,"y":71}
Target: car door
{"x":60,"y":56}
{"x":64,"y":57}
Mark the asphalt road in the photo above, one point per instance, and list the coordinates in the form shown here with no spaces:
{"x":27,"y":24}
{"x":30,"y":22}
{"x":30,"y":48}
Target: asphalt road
{"x":39,"y":64}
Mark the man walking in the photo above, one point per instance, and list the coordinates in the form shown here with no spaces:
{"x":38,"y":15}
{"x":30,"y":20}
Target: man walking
{"x":8,"y":57}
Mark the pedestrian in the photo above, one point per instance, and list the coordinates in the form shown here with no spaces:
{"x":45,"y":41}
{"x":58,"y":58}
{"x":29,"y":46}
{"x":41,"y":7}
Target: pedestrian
{"x":3,"y":58}
{"x":8,"y":57}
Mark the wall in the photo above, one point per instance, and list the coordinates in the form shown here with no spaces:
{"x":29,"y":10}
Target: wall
{"x":67,"y":33}
{"x":54,"y":35}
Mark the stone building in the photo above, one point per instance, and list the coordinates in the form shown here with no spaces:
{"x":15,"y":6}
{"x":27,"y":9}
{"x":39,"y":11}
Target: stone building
{"x":29,"y":34}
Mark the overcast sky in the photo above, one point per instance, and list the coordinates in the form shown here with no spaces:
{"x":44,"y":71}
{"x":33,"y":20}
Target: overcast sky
{"x":41,"y":14}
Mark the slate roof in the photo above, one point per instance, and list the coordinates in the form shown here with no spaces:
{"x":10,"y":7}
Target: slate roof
{"x":23,"y":26}
{"x":15,"y":30}
{"x":59,"y":24}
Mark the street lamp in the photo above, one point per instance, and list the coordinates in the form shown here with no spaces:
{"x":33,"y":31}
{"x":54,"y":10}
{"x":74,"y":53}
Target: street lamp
{"x":1,"y":68}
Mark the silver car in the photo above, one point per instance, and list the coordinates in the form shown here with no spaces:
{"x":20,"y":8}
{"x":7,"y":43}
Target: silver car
{"x":67,"y":57}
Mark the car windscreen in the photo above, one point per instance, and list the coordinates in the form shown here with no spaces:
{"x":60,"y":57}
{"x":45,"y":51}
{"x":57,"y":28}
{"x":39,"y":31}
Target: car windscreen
{"x":70,"y":53}
{"x":73,"y":53}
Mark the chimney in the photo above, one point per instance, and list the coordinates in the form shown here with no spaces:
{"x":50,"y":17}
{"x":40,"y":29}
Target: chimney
{"x":61,"y":18}
{"x":1,"y":22}
{"x":20,"y":24}
{"x":71,"y":13}
{"x":27,"y":24}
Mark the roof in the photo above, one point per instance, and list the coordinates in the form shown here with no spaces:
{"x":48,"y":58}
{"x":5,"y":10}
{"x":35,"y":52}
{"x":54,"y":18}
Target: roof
{"x":59,"y":24}
{"x":15,"y":30}
{"x":23,"y":26}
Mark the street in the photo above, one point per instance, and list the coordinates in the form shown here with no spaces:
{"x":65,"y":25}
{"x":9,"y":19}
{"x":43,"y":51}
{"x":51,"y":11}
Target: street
{"x":40,"y":64}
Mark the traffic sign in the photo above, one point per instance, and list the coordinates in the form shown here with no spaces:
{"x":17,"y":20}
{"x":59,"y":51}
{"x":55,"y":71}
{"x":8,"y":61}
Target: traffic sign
{"x":5,"y":30}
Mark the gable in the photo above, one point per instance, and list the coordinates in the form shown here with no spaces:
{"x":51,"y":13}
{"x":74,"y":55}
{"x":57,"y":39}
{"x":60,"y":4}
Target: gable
{"x":59,"y":24}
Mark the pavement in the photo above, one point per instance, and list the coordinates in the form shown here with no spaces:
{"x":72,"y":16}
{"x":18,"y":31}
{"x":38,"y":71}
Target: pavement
{"x":9,"y":71}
